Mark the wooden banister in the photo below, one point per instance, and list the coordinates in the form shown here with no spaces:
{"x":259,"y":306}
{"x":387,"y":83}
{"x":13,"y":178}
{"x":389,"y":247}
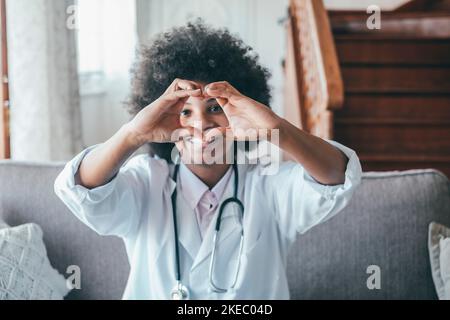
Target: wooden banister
{"x":314,"y":86}
{"x":4,"y":90}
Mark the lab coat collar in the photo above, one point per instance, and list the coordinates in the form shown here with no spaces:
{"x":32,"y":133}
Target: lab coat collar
{"x":193,"y":188}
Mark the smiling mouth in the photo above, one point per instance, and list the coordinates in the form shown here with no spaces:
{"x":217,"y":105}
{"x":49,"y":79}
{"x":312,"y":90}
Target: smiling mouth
{"x":199,"y":142}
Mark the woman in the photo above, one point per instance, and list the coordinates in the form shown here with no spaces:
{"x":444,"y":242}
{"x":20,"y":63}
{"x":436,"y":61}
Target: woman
{"x":201,"y":88}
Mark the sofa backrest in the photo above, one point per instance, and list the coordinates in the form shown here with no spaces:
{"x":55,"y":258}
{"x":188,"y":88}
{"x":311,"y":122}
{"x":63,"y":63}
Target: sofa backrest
{"x":385,"y":225}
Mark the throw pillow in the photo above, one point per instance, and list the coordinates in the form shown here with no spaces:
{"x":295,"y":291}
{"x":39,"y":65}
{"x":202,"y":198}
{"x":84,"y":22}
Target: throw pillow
{"x":25,"y":271}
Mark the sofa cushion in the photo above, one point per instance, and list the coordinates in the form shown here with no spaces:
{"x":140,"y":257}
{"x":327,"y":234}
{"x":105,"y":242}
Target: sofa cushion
{"x":385,"y":225}
{"x":439,"y":249}
{"x":25,"y":272}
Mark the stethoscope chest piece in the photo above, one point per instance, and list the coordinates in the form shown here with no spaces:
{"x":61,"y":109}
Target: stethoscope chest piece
{"x":180,"y":292}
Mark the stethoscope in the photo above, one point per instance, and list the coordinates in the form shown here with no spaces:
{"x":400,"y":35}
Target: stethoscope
{"x":181,"y":292}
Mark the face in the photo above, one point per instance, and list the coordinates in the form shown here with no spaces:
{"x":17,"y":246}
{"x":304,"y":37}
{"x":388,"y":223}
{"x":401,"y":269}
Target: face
{"x":202,"y":116}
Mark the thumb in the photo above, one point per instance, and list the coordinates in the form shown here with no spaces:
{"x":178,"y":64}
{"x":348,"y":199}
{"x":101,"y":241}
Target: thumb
{"x":180,"y":104}
{"x":222,"y":101}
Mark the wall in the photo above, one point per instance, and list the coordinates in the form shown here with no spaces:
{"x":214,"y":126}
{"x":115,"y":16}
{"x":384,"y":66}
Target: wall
{"x":255,"y":21}
{"x":362,"y":4}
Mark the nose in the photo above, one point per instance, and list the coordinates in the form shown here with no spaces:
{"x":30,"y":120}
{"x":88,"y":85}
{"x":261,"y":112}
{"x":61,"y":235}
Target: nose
{"x":200,"y":121}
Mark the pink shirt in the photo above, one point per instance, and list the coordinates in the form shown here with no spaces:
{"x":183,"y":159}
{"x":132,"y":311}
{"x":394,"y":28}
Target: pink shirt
{"x":201,"y":200}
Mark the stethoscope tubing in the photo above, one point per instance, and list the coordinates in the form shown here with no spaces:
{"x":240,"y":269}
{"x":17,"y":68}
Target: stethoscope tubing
{"x":216,"y":231}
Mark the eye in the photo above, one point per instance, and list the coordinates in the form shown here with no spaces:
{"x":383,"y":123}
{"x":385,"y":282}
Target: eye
{"x":215,"y":109}
{"x":185,"y":112}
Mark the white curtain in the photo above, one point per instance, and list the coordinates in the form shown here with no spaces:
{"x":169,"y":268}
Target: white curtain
{"x":45,"y":110}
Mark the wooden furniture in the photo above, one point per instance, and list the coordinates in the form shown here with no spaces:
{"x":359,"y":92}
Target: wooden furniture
{"x":313,"y":80}
{"x":4,"y":91}
{"x":424,"y":6}
{"x":396,"y":111}
{"x":397,"y":90}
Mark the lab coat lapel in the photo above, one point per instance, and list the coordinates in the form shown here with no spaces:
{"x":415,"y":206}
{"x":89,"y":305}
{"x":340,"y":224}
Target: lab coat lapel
{"x":230,"y":224}
{"x":165,"y":232}
{"x":188,"y":231}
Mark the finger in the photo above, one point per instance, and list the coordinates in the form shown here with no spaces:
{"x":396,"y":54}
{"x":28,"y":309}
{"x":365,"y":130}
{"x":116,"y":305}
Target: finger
{"x":180,"y":133}
{"x":172,"y":86}
{"x":186,"y":85}
{"x":219,"y":84}
{"x":177,"y":95}
{"x":178,"y":105}
{"x":219,"y":91}
{"x":222,"y":102}
{"x":181,"y":84}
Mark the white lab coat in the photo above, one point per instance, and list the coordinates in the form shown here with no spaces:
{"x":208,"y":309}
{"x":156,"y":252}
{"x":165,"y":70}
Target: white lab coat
{"x":136,"y":206}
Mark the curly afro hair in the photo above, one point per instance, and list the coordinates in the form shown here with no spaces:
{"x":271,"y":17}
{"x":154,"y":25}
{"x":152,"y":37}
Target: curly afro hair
{"x":200,"y":53}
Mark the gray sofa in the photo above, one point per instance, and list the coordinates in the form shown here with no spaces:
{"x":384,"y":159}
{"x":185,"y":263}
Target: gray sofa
{"x":386,"y":224}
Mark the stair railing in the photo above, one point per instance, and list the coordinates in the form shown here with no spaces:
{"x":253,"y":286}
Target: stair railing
{"x":314,"y":86}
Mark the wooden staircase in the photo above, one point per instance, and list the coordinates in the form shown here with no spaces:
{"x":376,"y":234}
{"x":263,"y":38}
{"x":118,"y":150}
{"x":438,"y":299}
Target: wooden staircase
{"x":394,"y":108}
{"x":396,"y":112}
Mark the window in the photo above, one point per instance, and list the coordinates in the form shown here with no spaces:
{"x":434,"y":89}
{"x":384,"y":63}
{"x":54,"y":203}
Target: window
{"x":106,"y":42}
